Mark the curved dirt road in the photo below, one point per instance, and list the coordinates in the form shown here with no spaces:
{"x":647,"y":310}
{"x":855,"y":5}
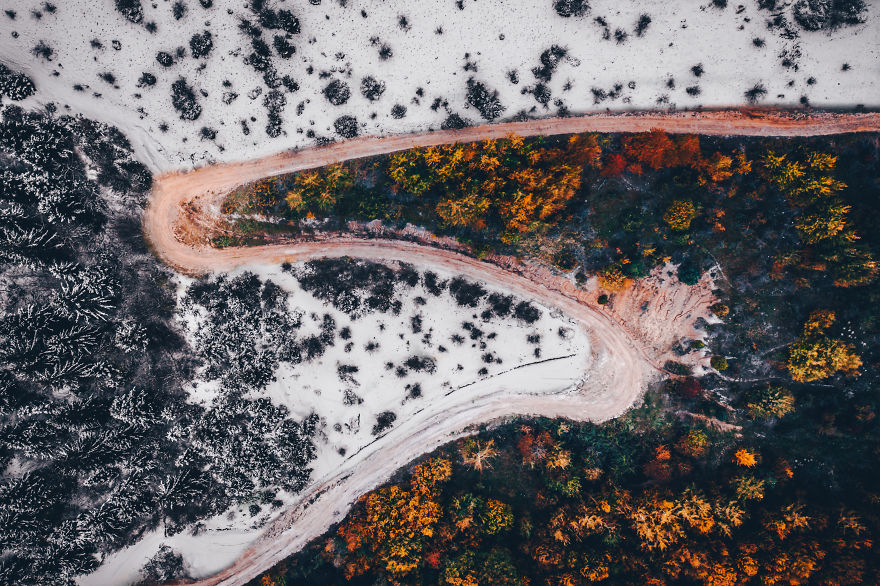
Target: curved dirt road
{"x":622,"y":358}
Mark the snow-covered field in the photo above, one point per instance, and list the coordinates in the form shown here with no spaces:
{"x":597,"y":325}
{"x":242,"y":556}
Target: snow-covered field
{"x":433,"y":48}
{"x":472,"y":356}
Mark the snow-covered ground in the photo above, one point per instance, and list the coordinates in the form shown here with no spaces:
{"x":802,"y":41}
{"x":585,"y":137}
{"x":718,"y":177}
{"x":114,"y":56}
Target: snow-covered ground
{"x":435,"y":47}
{"x":348,"y":402}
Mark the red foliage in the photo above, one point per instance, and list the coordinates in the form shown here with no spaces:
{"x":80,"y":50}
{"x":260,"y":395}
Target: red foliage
{"x":689,"y":388}
{"x":615,"y":164}
{"x":657,"y":150}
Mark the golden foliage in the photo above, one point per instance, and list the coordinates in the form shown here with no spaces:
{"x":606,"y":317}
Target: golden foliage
{"x":522,"y":183}
{"x":745,"y":458}
{"x":612,"y":279}
{"x":816,"y":355}
{"x":318,"y":190}
{"x":680,"y":214}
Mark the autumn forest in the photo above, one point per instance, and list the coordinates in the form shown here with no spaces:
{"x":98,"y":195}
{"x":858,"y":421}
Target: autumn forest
{"x":759,"y":472}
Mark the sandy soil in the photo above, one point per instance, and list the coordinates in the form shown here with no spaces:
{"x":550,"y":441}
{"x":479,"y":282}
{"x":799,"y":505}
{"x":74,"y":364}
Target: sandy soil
{"x":630,"y":339}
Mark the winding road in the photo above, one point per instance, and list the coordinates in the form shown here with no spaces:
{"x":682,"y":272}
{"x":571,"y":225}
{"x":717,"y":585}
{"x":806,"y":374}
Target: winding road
{"x":628,"y":344}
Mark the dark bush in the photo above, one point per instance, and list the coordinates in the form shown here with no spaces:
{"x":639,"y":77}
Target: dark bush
{"x":346,"y":126}
{"x":527,"y":312}
{"x":568,"y":8}
{"x":484,"y":100}
{"x":337,"y":92}
{"x":274,"y":103}
{"x":184,"y":100}
{"x":371,"y":88}
{"x":164,"y":59}
{"x":549,"y":59}
{"x":200,"y":45}
{"x":688,"y":273}
{"x":283,"y":47}
{"x":131,"y":10}
{"x":178,"y":10}
{"x":398,"y":111}
{"x":384,"y":420}
{"x":642,"y":24}
{"x":756,"y":94}
{"x":43,"y":50}
{"x":465,"y":292}
{"x":146,"y":79}
{"x":455,"y":122}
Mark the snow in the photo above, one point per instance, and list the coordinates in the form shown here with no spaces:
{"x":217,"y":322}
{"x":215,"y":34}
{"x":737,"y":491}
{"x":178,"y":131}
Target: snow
{"x":498,"y":36}
{"x":316,"y":387}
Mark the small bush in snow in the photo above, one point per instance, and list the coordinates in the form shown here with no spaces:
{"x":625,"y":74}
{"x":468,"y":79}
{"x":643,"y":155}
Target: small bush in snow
{"x":131,"y":10}
{"x":384,"y":420}
{"x":165,"y":59}
{"x":274,"y":103}
{"x":283,"y":47}
{"x":346,"y":126}
{"x":568,"y":8}
{"x":372,"y":88}
{"x":337,"y":92}
{"x":757,"y":93}
{"x":484,"y":100}
{"x":398,"y":111}
{"x":200,"y":45}
{"x":454,"y":122}
{"x":642,"y":24}
{"x":184,"y":100}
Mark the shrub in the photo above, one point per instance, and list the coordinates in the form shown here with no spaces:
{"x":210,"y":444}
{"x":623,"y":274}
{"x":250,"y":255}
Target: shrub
{"x":283,"y":47}
{"x":719,"y":363}
{"x":178,"y":10}
{"x":165,"y":59}
{"x":200,"y":45}
{"x":484,"y":100}
{"x":146,"y":79}
{"x":688,"y":273}
{"x":569,"y":8}
{"x":455,"y":122}
{"x":346,"y":126}
{"x":184,"y":100}
{"x":131,"y":10}
{"x":689,"y":387}
{"x":756,"y":94}
{"x":274,"y":103}
{"x":371,"y":88}
{"x":337,"y":92}
{"x":526,"y":312}
{"x":642,"y":24}
{"x":603,"y":299}
{"x":398,"y":111}
{"x":384,"y":420}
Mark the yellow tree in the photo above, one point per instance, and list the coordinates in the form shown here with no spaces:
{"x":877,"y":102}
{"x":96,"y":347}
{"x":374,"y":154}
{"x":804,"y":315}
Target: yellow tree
{"x":320,"y":189}
{"x":816,"y":355}
{"x":680,"y":214}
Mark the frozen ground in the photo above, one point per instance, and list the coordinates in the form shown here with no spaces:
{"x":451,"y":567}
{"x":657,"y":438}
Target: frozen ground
{"x":435,"y":47}
{"x":473,"y":357}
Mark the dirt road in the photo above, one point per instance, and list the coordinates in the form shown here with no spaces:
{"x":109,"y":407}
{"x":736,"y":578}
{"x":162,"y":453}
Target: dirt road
{"x":628,"y":341}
